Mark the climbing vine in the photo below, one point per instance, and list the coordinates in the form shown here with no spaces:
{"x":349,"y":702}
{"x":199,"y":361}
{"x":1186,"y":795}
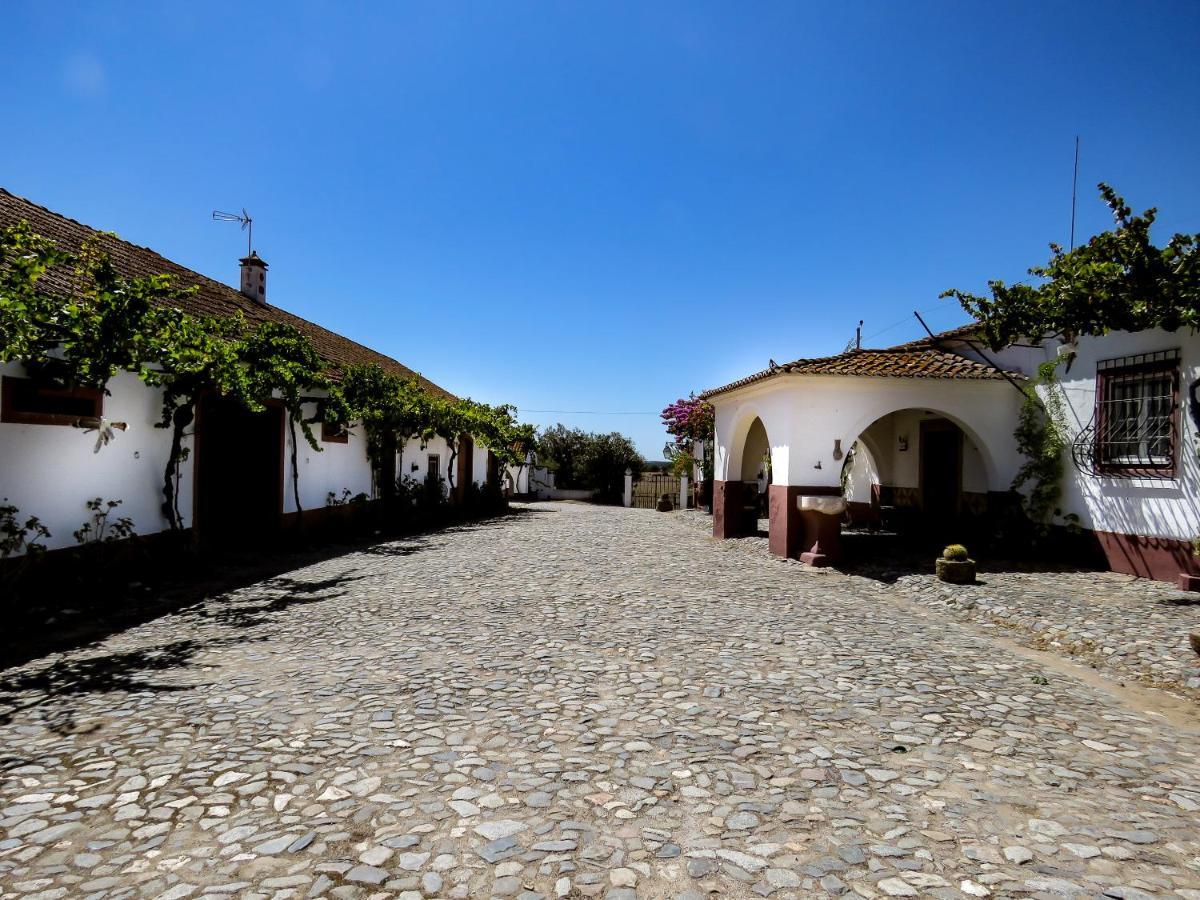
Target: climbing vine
{"x":1118,"y":281}
{"x":89,"y":322}
{"x":394,"y":410}
{"x":1041,"y":438}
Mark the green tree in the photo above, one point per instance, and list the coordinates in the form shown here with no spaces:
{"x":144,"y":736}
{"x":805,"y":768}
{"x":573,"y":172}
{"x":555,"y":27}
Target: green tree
{"x":583,"y":460}
{"x":1118,"y":281}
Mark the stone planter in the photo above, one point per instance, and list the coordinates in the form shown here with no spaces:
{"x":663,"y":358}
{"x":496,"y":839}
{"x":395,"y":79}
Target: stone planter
{"x":955,"y":571}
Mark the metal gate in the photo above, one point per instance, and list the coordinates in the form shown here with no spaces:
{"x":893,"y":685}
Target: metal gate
{"x":649,"y":487}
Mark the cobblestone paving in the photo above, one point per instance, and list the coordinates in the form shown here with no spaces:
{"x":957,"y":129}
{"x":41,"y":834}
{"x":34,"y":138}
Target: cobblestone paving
{"x":1133,"y":627}
{"x":581,"y":702}
{"x":1129,"y":627}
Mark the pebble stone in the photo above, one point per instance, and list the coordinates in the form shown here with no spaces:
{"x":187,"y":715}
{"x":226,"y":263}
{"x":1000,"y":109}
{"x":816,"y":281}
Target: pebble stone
{"x":575,"y":701}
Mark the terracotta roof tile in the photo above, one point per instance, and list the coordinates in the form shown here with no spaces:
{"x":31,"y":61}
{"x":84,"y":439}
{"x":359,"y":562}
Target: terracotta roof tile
{"x":212,"y":299}
{"x":970,"y":331}
{"x":919,"y":361}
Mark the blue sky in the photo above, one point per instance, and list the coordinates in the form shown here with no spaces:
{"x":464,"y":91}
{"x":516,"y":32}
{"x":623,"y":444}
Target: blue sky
{"x":602,"y":206}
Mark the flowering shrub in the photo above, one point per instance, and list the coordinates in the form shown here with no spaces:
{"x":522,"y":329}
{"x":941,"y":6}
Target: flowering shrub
{"x":690,"y":420}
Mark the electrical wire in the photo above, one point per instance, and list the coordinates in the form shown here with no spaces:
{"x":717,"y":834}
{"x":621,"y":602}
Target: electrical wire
{"x":587,"y":412}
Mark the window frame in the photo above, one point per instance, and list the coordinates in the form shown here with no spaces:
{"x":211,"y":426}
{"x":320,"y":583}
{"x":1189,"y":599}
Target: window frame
{"x":433,"y":466}
{"x":9,"y":415}
{"x":1139,"y":368}
{"x":334,"y":434}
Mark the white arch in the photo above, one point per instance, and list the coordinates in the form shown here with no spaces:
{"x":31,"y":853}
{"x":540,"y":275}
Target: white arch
{"x":735,"y":443}
{"x":865,"y":421}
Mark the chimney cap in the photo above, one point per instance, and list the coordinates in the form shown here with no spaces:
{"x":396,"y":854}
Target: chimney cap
{"x":253,"y":260}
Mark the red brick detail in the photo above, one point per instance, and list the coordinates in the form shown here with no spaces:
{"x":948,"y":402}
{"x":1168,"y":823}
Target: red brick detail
{"x":1162,"y":559}
{"x":1189,"y":582}
{"x":727,"y":509}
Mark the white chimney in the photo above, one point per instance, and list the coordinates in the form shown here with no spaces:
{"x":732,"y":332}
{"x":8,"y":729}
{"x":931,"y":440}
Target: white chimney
{"x":254,"y":277}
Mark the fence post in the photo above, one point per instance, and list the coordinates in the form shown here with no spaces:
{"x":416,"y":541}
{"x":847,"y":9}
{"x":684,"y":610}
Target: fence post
{"x":628,"y":486}
{"x":683,"y":491}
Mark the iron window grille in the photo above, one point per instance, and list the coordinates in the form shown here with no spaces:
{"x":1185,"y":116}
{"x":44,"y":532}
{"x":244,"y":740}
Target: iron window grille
{"x":1134,"y":428}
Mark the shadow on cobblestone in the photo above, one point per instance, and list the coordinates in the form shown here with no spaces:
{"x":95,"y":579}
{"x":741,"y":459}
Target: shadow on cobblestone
{"x":234,"y":613}
{"x":112,"y":672}
{"x":67,"y":620}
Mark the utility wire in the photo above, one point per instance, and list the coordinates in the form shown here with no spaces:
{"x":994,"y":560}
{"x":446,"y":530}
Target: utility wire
{"x":586,"y":412}
{"x":900,"y":322}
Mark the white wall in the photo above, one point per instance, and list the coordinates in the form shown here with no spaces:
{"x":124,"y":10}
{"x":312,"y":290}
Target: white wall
{"x":479,"y":465}
{"x":51,"y":471}
{"x":414,"y":459}
{"x":335,"y":468}
{"x":1146,"y":506}
{"x":804,"y":415}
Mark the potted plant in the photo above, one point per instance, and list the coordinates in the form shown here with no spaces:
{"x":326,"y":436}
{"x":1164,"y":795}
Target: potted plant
{"x":1188,"y":581}
{"x":955,"y":565}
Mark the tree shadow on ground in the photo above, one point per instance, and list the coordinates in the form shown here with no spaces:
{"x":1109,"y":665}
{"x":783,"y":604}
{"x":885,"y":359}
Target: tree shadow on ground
{"x":231,"y":611}
{"x":71,"y":616}
{"x":51,"y":688}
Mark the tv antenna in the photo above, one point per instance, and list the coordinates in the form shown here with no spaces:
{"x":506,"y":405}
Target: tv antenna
{"x":1074,"y":185}
{"x":247,"y":225}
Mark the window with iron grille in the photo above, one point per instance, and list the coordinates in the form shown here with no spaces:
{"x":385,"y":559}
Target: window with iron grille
{"x":1134,"y":430}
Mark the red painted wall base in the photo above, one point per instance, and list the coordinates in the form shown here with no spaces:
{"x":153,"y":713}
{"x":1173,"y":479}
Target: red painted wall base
{"x":1162,"y":559}
{"x":787,"y":531}
{"x":727,"y":509}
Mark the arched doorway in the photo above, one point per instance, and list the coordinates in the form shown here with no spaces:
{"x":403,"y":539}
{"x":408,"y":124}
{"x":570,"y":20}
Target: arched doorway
{"x":919,"y":474}
{"x":742,"y":500}
{"x":756,"y":475}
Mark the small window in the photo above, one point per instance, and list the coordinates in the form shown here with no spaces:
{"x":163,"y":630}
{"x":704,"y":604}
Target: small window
{"x":433,"y":471}
{"x":30,"y":402}
{"x":1136,"y":399}
{"x":334,"y":433}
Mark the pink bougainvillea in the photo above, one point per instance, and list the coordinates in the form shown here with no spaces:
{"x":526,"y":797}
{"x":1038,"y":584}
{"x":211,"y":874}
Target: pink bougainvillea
{"x":690,"y":420}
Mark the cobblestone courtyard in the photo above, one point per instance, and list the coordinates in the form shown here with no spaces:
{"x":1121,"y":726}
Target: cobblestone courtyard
{"x":585,"y":702}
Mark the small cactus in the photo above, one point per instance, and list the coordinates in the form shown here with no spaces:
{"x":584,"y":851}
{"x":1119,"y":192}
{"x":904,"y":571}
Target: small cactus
{"x":956,"y":552}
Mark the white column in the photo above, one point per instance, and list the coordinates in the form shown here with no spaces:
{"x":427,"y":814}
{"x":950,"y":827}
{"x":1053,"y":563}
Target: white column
{"x":629,"y":487}
{"x":683,"y":492}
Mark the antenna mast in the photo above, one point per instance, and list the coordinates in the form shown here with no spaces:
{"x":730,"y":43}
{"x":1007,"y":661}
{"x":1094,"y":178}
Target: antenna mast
{"x":1074,"y":185}
{"x":247,"y":225}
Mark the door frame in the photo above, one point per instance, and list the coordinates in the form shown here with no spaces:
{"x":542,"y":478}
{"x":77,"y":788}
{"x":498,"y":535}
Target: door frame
{"x":941,"y":425}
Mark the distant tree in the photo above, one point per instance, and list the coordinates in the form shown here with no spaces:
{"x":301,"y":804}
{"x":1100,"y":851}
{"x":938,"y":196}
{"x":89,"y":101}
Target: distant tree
{"x":561,"y":449}
{"x":605,"y":460}
{"x":583,"y":460}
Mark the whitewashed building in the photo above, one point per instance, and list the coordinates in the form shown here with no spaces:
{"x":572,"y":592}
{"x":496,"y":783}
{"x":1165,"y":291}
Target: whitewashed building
{"x":926,"y":429}
{"x":237,"y":475}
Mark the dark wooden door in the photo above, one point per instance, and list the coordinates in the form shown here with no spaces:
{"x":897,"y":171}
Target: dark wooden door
{"x":239,"y":471}
{"x":941,"y":469}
